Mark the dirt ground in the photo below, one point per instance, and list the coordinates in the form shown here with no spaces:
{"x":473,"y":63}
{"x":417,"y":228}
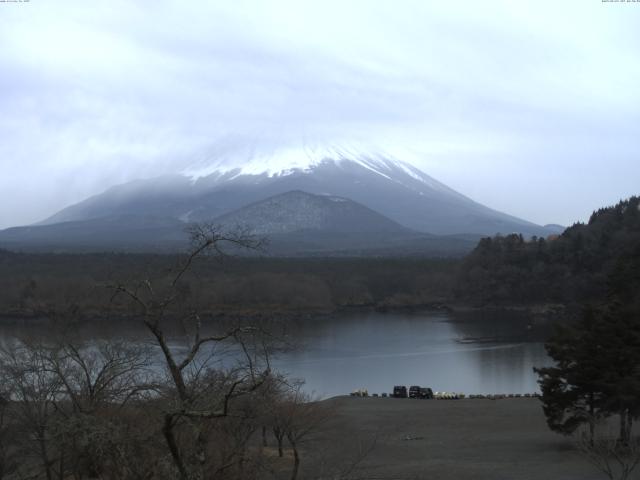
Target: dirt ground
{"x":444,"y":439}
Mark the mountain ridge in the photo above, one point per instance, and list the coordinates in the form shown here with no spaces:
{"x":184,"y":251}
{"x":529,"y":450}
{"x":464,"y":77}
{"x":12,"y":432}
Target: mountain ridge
{"x":298,"y":211}
{"x":389,"y":186}
{"x":294,"y":223}
{"x":386,"y":205}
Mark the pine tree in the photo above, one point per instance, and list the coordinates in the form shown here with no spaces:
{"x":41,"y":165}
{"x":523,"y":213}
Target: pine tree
{"x":571,"y":392}
{"x":621,"y":317}
{"x":597,"y":370}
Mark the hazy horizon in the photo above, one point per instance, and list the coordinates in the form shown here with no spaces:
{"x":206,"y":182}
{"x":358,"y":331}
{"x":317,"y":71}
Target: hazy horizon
{"x":529,"y":108}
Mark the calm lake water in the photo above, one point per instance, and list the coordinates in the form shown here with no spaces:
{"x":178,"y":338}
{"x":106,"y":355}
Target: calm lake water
{"x":471,"y":353}
{"x":377,"y":351}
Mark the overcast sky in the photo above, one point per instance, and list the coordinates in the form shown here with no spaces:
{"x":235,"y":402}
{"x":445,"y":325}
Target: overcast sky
{"x":531,"y":108}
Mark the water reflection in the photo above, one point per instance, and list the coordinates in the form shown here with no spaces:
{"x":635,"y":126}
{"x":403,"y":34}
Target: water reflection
{"x":377,"y":351}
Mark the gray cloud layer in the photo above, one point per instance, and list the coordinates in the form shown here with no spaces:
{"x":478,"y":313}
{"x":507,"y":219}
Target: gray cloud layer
{"x":529,"y":107}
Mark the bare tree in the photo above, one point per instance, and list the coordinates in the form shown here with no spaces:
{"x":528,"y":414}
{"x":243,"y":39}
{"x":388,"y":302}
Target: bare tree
{"x":62,"y":399}
{"x":616,"y":460}
{"x":108,"y":409}
{"x":34,"y":392}
{"x":101,"y":373}
{"x":97,"y":380}
{"x":196,"y":392}
{"x":8,"y":460}
{"x":295,"y":416}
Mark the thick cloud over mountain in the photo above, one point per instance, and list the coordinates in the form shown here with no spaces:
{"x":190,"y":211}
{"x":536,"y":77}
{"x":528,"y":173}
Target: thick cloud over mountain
{"x":516,"y":104}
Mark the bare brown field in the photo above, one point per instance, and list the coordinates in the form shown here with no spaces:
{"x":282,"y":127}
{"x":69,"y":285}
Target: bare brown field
{"x":447,"y":439}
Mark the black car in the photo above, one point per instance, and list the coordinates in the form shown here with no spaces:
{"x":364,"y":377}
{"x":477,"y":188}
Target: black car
{"x":414,"y":391}
{"x":400,"y":391}
{"x":426,"y":393}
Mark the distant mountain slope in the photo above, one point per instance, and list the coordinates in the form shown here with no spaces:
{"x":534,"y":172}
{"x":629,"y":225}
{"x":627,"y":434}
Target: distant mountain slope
{"x":161,"y":196}
{"x":131,"y":233}
{"x":554,"y":228}
{"x":214,"y":187}
{"x":300,"y":223}
{"x":294,"y":224}
{"x":300,"y":211}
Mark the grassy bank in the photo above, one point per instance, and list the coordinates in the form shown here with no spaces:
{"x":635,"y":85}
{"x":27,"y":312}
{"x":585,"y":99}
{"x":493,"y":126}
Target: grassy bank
{"x":447,"y":439}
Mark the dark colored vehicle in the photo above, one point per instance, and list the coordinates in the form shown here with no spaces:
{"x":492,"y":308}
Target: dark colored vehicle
{"x":426,"y":393}
{"x":400,"y":391}
{"x":414,"y":391}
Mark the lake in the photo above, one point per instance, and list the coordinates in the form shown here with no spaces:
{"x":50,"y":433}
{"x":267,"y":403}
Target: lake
{"x":476,"y":352}
{"x":377,"y":351}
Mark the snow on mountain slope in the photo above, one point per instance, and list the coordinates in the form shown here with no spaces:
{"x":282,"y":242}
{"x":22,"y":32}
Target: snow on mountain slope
{"x":278,"y":162}
{"x":227,"y":178}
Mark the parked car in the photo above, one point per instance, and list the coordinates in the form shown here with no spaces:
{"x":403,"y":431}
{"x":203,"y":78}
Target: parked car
{"x":414,"y":391}
{"x":400,"y":391}
{"x":361,"y":392}
{"x":426,"y":393}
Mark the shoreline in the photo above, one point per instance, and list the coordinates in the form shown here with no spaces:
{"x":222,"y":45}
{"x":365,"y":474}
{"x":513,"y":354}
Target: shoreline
{"x":452,"y":307}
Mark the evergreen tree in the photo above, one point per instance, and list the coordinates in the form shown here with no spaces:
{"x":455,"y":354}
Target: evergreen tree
{"x":572,"y":268}
{"x":597,"y":370}
{"x":620,"y":381}
{"x":571,"y":392}
{"x":621,"y":317}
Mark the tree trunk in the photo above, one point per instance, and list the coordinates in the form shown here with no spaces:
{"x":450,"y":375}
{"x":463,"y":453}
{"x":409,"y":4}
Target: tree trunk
{"x":62,"y":466}
{"x":43,"y":452}
{"x":624,"y":433}
{"x":279,"y":437}
{"x":241,"y":463}
{"x":296,"y":460}
{"x":264,"y":436}
{"x":175,"y":372}
{"x":592,"y":421}
{"x":167,"y":430}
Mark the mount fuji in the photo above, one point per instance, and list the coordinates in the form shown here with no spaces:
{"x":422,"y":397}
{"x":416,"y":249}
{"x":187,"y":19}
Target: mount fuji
{"x":371,"y":192}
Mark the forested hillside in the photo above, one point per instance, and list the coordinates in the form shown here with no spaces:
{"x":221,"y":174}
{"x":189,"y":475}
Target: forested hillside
{"x":576,"y":266}
{"x":34,"y":282}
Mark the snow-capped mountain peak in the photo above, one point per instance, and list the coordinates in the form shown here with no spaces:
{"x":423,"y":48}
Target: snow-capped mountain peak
{"x":248,"y":159}
{"x":234,"y":174}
